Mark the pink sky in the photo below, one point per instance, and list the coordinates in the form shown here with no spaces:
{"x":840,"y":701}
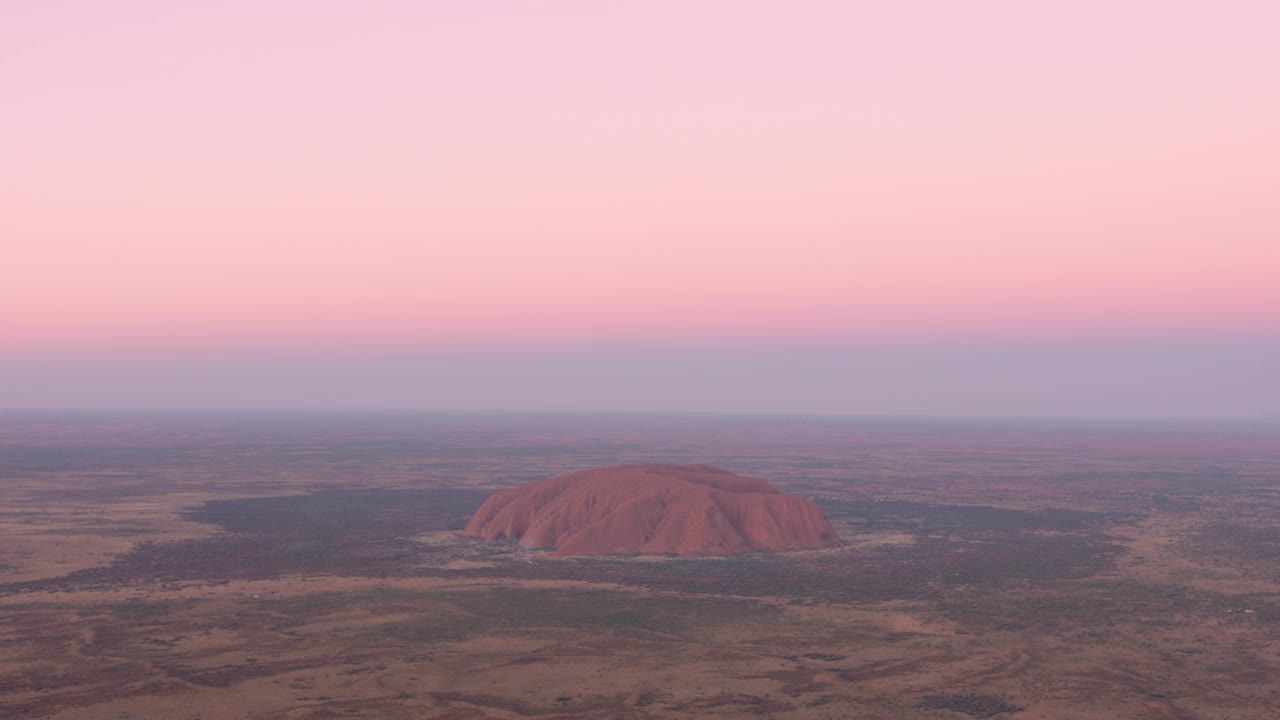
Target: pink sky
{"x":470,"y":174}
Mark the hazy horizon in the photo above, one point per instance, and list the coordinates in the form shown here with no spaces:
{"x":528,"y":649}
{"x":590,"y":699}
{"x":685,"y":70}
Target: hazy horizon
{"x":1083,"y":382}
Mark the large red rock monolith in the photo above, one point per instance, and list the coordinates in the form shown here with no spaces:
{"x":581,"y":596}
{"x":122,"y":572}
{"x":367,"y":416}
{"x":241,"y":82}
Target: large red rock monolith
{"x":687,"y":510}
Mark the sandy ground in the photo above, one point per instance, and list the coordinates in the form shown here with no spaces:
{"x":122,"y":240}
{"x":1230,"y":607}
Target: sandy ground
{"x":1180,"y":625}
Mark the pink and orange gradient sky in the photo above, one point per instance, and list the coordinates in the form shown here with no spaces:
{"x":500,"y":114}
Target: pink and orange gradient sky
{"x":187,"y":177}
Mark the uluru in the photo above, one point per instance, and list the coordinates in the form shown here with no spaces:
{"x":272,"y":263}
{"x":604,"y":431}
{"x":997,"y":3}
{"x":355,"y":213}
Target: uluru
{"x":686,"y":510}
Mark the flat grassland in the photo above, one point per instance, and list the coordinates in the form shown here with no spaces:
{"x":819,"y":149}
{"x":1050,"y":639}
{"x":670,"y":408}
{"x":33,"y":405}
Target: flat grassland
{"x":295,"y":566}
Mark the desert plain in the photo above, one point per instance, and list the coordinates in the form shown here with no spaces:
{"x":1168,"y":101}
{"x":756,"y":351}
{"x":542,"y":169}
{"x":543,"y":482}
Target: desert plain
{"x":290,"y":565}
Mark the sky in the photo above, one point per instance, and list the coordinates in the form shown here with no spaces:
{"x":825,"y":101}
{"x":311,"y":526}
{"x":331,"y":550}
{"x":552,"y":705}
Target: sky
{"x":917,"y":207}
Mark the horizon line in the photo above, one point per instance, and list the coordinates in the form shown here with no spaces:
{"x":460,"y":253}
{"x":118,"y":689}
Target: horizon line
{"x":397,"y":410}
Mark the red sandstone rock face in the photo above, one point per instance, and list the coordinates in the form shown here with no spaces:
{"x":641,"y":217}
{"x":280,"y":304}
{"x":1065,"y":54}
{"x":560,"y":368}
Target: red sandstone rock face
{"x":689,"y":510}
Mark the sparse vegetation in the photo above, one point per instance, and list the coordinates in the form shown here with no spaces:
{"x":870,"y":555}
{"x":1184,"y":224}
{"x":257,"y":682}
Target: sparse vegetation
{"x":1101,"y":575}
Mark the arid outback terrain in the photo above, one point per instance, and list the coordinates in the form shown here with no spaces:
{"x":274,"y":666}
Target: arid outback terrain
{"x":307,"y":565}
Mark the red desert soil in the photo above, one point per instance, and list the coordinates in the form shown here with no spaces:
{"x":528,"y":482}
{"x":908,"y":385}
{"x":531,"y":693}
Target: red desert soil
{"x":687,"y":510}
